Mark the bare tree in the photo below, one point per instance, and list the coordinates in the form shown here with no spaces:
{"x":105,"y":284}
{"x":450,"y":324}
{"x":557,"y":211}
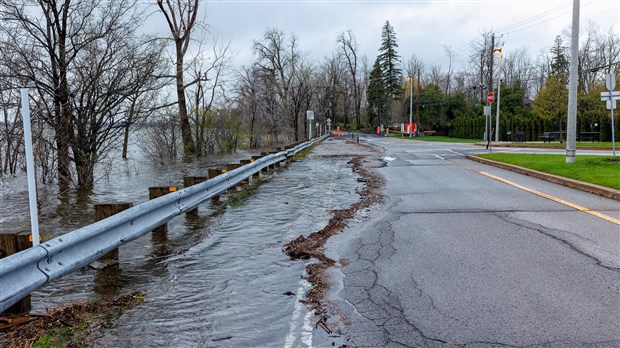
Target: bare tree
{"x":83,"y":59}
{"x":436,"y":76}
{"x":518,"y":68}
{"x":301,"y":93}
{"x":450,"y":56}
{"x":329,"y":86}
{"x":209,"y":73}
{"x":278,"y":60}
{"x":248,"y":100}
{"x":181,"y":18}
{"x":349,"y":50}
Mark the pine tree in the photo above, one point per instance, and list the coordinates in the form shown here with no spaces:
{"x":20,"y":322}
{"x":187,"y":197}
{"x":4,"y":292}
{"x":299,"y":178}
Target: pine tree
{"x":376,"y":93}
{"x":559,"y":61}
{"x":390,"y":62}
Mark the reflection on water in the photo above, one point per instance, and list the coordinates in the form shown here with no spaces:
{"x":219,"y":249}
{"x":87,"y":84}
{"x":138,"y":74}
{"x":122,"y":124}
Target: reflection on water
{"x":215,"y":279}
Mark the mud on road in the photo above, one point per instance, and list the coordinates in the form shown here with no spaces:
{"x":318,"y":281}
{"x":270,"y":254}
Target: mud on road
{"x":364,"y":158}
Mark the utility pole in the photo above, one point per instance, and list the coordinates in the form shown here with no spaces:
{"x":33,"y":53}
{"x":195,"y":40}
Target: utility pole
{"x":571,"y":124}
{"x":499,"y":90}
{"x":410,"y":106}
{"x":490,"y":82}
{"x":417,"y":107}
{"x":481,"y":78}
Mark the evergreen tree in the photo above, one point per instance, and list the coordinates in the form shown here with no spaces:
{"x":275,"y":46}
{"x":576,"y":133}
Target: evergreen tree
{"x":376,"y":93}
{"x":559,"y":61}
{"x":390,"y":62}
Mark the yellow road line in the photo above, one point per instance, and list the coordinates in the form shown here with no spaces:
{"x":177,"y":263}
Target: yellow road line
{"x":544,"y":195}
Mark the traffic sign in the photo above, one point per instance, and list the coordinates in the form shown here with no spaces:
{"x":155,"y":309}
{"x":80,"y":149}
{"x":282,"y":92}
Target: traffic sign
{"x":610,"y":81}
{"x":491,"y":97}
{"x":610,"y":97}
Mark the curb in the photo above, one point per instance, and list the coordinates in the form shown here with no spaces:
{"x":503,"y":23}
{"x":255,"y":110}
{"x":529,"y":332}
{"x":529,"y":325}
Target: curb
{"x":579,"y":185}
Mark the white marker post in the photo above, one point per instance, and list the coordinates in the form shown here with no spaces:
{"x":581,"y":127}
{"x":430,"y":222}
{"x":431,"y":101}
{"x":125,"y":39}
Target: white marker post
{"x":32,"y":183}
{"x":610,"y":98}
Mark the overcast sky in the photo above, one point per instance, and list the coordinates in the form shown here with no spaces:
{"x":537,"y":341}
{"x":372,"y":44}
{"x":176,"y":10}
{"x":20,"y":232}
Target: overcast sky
{"x":422,"y":27}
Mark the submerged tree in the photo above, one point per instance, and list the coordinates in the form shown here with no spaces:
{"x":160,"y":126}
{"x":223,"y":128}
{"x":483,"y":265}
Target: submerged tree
{"x":181,"y":18}
{"x":83,"y":59}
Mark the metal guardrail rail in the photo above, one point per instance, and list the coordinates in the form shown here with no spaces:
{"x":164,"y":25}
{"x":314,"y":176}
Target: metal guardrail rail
{"x":26,"y":271}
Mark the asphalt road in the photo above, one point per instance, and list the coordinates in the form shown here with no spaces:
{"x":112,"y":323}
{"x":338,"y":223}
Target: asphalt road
{"x":465,"y":254}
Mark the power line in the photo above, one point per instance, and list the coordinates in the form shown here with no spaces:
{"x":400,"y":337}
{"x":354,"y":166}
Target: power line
{"x":524,"y":24}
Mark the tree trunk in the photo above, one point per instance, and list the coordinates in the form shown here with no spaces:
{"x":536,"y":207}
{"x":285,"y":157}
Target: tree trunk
{"x":84,"y":167}
{"x":189,"y":148}
{"x":296,"y":126}
{"x":125,"y":140}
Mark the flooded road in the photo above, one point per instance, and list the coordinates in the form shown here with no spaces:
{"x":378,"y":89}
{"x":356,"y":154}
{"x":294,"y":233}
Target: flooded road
{"x":219,"y":279}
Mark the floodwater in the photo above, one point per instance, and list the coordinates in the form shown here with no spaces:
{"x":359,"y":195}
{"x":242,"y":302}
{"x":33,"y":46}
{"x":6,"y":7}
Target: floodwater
{"x":218,"y":279}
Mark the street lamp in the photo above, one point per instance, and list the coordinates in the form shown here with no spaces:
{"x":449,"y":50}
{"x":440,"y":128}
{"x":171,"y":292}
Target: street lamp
{"x":410,"y":105}
{"x":499,"y":88}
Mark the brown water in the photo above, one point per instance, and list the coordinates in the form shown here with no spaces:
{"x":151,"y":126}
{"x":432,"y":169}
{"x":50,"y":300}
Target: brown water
{"x":219,"y":279}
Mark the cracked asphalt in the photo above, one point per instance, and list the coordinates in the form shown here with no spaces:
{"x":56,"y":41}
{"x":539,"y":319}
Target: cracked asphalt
{"x":457,"y":259}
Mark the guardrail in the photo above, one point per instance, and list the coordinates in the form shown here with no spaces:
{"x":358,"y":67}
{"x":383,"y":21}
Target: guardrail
{"x":26,"y":271}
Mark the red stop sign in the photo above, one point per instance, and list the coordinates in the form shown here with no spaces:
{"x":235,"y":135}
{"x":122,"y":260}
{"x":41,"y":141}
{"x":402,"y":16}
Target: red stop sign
{"x":491,"y":97}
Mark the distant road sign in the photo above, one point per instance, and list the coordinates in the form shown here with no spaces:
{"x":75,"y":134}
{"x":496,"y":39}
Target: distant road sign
{"x":610,"y":81}
{"x":610,"y":97}
{"x":491,"y":97}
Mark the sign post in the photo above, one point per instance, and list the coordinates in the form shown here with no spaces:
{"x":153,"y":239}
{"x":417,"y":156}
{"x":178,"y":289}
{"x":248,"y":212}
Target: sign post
{"x":310,"y":117}
{"x":610,"y":98}
{"x":489,"y":119}
{"x":32,"y":186}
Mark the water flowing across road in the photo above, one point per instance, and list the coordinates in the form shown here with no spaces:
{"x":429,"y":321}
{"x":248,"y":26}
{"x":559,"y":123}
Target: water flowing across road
{"x":218,"y":279}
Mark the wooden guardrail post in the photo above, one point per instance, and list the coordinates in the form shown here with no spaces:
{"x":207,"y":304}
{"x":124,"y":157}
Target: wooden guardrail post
{"x":190,"y":181}
{"x":103,"y":211}
{"x":213,"y":172}
{"x":280,"y":149}
{"x":231,"y":167}
{"x":12,"y":243}
{"x":263,"y":154}
{"x":257,"y":174}
{"x":244,"y":162}
{"x":156,"y":192}
{"x":288,"y":159}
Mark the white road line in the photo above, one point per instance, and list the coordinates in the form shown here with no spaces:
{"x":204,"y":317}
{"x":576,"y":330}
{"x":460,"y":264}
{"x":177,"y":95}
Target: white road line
{"x":291,"y":338}
{"x":458,"y":153}
{"x":441,"y":158}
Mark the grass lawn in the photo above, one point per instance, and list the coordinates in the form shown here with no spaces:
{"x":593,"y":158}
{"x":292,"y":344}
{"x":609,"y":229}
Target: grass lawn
{"x":602,"y":144}
{"x":599,"y":170}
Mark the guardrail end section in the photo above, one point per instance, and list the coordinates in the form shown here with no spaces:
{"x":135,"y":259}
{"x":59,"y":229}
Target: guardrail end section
{"x":20,"y":276}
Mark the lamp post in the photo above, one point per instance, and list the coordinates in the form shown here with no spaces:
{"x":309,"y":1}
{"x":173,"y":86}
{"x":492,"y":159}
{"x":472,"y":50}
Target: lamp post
{"x":410,"y":105}
{"x":499,"y":88}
